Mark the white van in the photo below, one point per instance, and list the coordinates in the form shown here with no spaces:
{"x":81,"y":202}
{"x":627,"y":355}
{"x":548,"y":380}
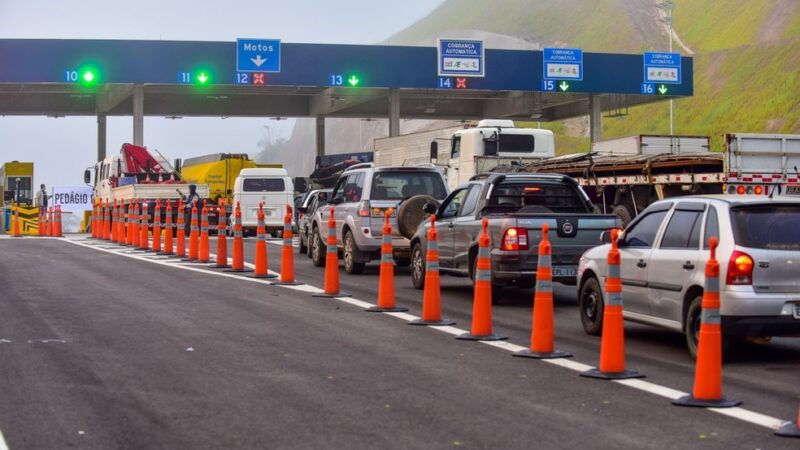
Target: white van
{"x":271,"y":186}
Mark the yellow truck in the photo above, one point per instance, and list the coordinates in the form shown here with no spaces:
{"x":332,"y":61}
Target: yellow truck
{"x":219,"y":172}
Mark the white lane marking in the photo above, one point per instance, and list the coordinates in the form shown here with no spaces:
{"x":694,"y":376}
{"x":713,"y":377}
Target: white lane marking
{"x":3,"y":445}
{"x":742,"y":414}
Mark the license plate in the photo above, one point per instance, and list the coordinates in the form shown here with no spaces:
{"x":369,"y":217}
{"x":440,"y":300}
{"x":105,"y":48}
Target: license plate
{"x":793,"y":190}
{"x":797,"y":310}
{"x":564,"y":271}
{"x":379,"y":212}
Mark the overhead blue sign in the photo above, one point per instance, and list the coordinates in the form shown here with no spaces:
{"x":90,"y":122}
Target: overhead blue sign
{"x":461,"y":58}
{"x":662,"y":67}
{"x":258,"y":55}
{"x":562,"y":64}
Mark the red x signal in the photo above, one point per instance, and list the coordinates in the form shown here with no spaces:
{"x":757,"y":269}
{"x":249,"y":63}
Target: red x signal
{"x":258,"y":78}
{"x":461,"y":83}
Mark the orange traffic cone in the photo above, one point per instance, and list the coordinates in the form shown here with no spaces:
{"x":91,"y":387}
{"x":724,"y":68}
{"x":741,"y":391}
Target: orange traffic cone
{"x":203,"y":253}
{"x":41,"y":223}
{"x":95,"y":214}
{"x":543,"y":323}
{"x":59,"y":230}
{"x":482,"y":303}
{"x":113,"y":236}
{"x":790,"y":429}
{"x":134,"y":224}
{"x":612,"y":345}
{"x":106,"y":221}
{"x":51,"y":227}
{"x":331,"y":263}
{"x":17,"y":232}
{"x":432,"y":295}
{"x":194,"y":237}
{"x":287,"y":252}
{"x":708,"y":367}
{"x":386,"y":299}
{"x":144,"y":229}
{"x":261,"y":270}
{"x":180,"y":246}
{"x":168,"y":247}
{"x":222,"y":239}
{"x":238,"y":244}
{"x":46,"y":223}
{"x":157,"y":227}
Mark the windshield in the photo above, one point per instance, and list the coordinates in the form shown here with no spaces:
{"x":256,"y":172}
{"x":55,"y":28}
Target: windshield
{"x":402,"y":185}
{"x":263,"y":185}
{"x":772,"y":227}
{"x":534,"y":198}
{"x":511,"y":143}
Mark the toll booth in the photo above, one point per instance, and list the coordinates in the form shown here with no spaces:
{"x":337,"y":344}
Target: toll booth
{"x":16,"y":184}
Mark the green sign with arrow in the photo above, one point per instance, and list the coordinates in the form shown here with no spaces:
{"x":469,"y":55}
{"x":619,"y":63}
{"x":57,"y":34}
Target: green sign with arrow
{"x":564,"y":86}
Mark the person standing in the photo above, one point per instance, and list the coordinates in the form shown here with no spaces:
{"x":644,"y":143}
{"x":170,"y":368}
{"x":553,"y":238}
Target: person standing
{"x":42,"y":198}
{"x":190,"y":201}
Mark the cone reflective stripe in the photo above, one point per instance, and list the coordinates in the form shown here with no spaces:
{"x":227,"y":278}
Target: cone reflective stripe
{"x":156,"y":247}
{"x":708,"y":367}
{"x":261,"y":270}
{"x":612,"y":345}
{"x":237,"y":263}
{"x":144,"y":230}
{"x":789,"y":429}
{"x":59,"y":231}
{"x":331,"y":286}
{"x":222,"y":239}
{"x":180,"y":250}
{"x":134,"y":224}
{"x":432,"y":295}
{"x":287,"y":252}
{"x":125,"y":225}
{"x":194,"y":236}
{"x":386,"y":297}
{"x":543,"y":329}
{"x":481,"y":329}
{"x":168,"y":246}
{"x":203,"y":252}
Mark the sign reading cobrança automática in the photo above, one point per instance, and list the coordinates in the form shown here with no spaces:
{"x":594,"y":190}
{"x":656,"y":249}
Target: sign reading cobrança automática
{"x":72,"y":198}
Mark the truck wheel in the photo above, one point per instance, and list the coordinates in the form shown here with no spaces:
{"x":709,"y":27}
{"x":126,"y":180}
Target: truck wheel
{"x":590,"y":306}
{"x":303,"y":246}
{"x":317,"y":249}
{"x":350,"y":250}
{"x":691,"y":329}
{"x":623,"y":213}
{"x":417,"y":267}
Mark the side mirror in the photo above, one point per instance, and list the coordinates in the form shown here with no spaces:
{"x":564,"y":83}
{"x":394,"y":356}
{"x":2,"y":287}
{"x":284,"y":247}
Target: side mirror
{"x":434,"y":156}
{"x":87,"y":176}
{"x":429,"y":208}
{"x":605,"y":237}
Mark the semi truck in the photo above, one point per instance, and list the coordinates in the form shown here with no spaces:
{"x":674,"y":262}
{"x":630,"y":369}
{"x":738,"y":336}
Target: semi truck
{"x":624,"y":176}
{"x":466,"y":150}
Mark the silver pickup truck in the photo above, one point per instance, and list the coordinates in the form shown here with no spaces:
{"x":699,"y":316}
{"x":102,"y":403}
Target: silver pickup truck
{"x":516,"y":205}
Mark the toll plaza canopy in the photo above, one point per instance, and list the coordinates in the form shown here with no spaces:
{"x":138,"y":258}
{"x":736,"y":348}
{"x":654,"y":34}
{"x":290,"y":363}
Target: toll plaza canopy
{"x":181,"y":78}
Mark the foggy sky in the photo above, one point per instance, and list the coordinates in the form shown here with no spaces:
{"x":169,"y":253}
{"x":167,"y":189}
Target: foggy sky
{"x":61,"y":148}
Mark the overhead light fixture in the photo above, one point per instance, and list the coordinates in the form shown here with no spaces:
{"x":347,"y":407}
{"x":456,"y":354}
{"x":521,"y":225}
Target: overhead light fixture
{"x":173,"y":117}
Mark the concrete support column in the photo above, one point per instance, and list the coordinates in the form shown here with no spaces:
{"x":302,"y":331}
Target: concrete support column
{"x":394,"y":112}
{"x":320,"y":135}
{"x":101,"y":137}
{"x":595,"y":124}
{"x":138,"y":115}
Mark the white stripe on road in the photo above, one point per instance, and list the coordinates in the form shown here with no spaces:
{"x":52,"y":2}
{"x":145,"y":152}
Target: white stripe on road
{"x":3,"y":445}
{"x":742,"y":414}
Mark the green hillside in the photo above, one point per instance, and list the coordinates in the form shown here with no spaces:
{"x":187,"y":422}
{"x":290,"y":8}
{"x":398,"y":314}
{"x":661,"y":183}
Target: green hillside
{"x":747,"y":55}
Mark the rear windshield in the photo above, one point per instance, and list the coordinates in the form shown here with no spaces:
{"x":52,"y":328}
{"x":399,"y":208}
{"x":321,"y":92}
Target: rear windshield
{"x":534,"y":198}
{"x":775,"y":227}
{"x":263,"y":185}
{"x":511,"y":143}
{"x":402,"y":185}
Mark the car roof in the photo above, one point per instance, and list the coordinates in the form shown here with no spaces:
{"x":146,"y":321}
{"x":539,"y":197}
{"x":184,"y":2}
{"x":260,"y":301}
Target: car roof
{"x":735,"y":200}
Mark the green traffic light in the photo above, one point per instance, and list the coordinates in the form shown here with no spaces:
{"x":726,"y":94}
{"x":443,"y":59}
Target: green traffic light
{"x":202,"y":78}
{"x":88,"y":76}
{"x":662,"y":90}
{"x":353,"y":80}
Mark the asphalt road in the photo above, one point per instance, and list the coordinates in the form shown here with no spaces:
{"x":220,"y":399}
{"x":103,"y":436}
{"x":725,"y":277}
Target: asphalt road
{"x":100,"y":350}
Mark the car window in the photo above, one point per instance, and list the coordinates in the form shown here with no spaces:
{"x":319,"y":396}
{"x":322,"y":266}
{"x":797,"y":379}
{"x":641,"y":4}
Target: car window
{"x":455,"y":152}
{"x":338,"y":190}
{"x":352,"y":189}
{"x":471,"y":201}
{"x":712,"y":226}
{"x":643,"y":232}
{"x":681,"y":229}
{"x":774,"y":227}
{"x":391,"y":185}
{"x":263,"y":185}
{"x":312,"y":205}
{"x":453,"y":204}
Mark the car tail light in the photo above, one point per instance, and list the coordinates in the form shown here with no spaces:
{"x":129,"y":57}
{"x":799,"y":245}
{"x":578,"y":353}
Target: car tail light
{"x":363,"y":209}
{"x":740,"y":269}
{"x":758,"y":190}
{"x":515,"y":239}
{"x":740,"y":190}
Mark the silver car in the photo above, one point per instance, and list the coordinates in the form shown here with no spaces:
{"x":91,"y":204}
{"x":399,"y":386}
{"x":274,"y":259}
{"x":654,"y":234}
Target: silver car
{"x":361,"y":196}
{"x":664,"y":252}
{"x":305,"y":213}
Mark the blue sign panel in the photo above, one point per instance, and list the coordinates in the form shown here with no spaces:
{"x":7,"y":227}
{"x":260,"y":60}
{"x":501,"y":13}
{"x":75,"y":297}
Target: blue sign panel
{"x":662,"y":67}
{"x":562,"y":64}
{"x":258,"y":55}
{"x":461,"y":58}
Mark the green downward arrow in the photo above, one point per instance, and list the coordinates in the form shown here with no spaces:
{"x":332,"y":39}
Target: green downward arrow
{"x":202,"y":78}
{"x":563,"y":86}
{"x":662,"y":89}
{"x":353,"y":80}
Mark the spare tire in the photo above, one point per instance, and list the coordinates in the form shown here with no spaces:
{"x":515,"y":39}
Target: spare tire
{"x":410,"y":214}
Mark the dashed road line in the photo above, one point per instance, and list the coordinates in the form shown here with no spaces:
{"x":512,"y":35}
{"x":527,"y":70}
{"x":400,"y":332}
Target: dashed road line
{"x":742,"y":414}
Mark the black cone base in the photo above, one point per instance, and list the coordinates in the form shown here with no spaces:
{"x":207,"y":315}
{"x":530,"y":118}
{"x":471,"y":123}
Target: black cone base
{"x":287,"y":283}
{"x":432,"y":323}
{"x":625,"y":374}
{"x":788,"y":430}
{"x":324,"y":295}
{"x":238,"y":270}
{"x":527,"y":353}
{"x":214,"y":266}
{"x":481,"y":337}
{"x":269,"y":275}
{"x":379,"y":309}
{"x":689,"y":400}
